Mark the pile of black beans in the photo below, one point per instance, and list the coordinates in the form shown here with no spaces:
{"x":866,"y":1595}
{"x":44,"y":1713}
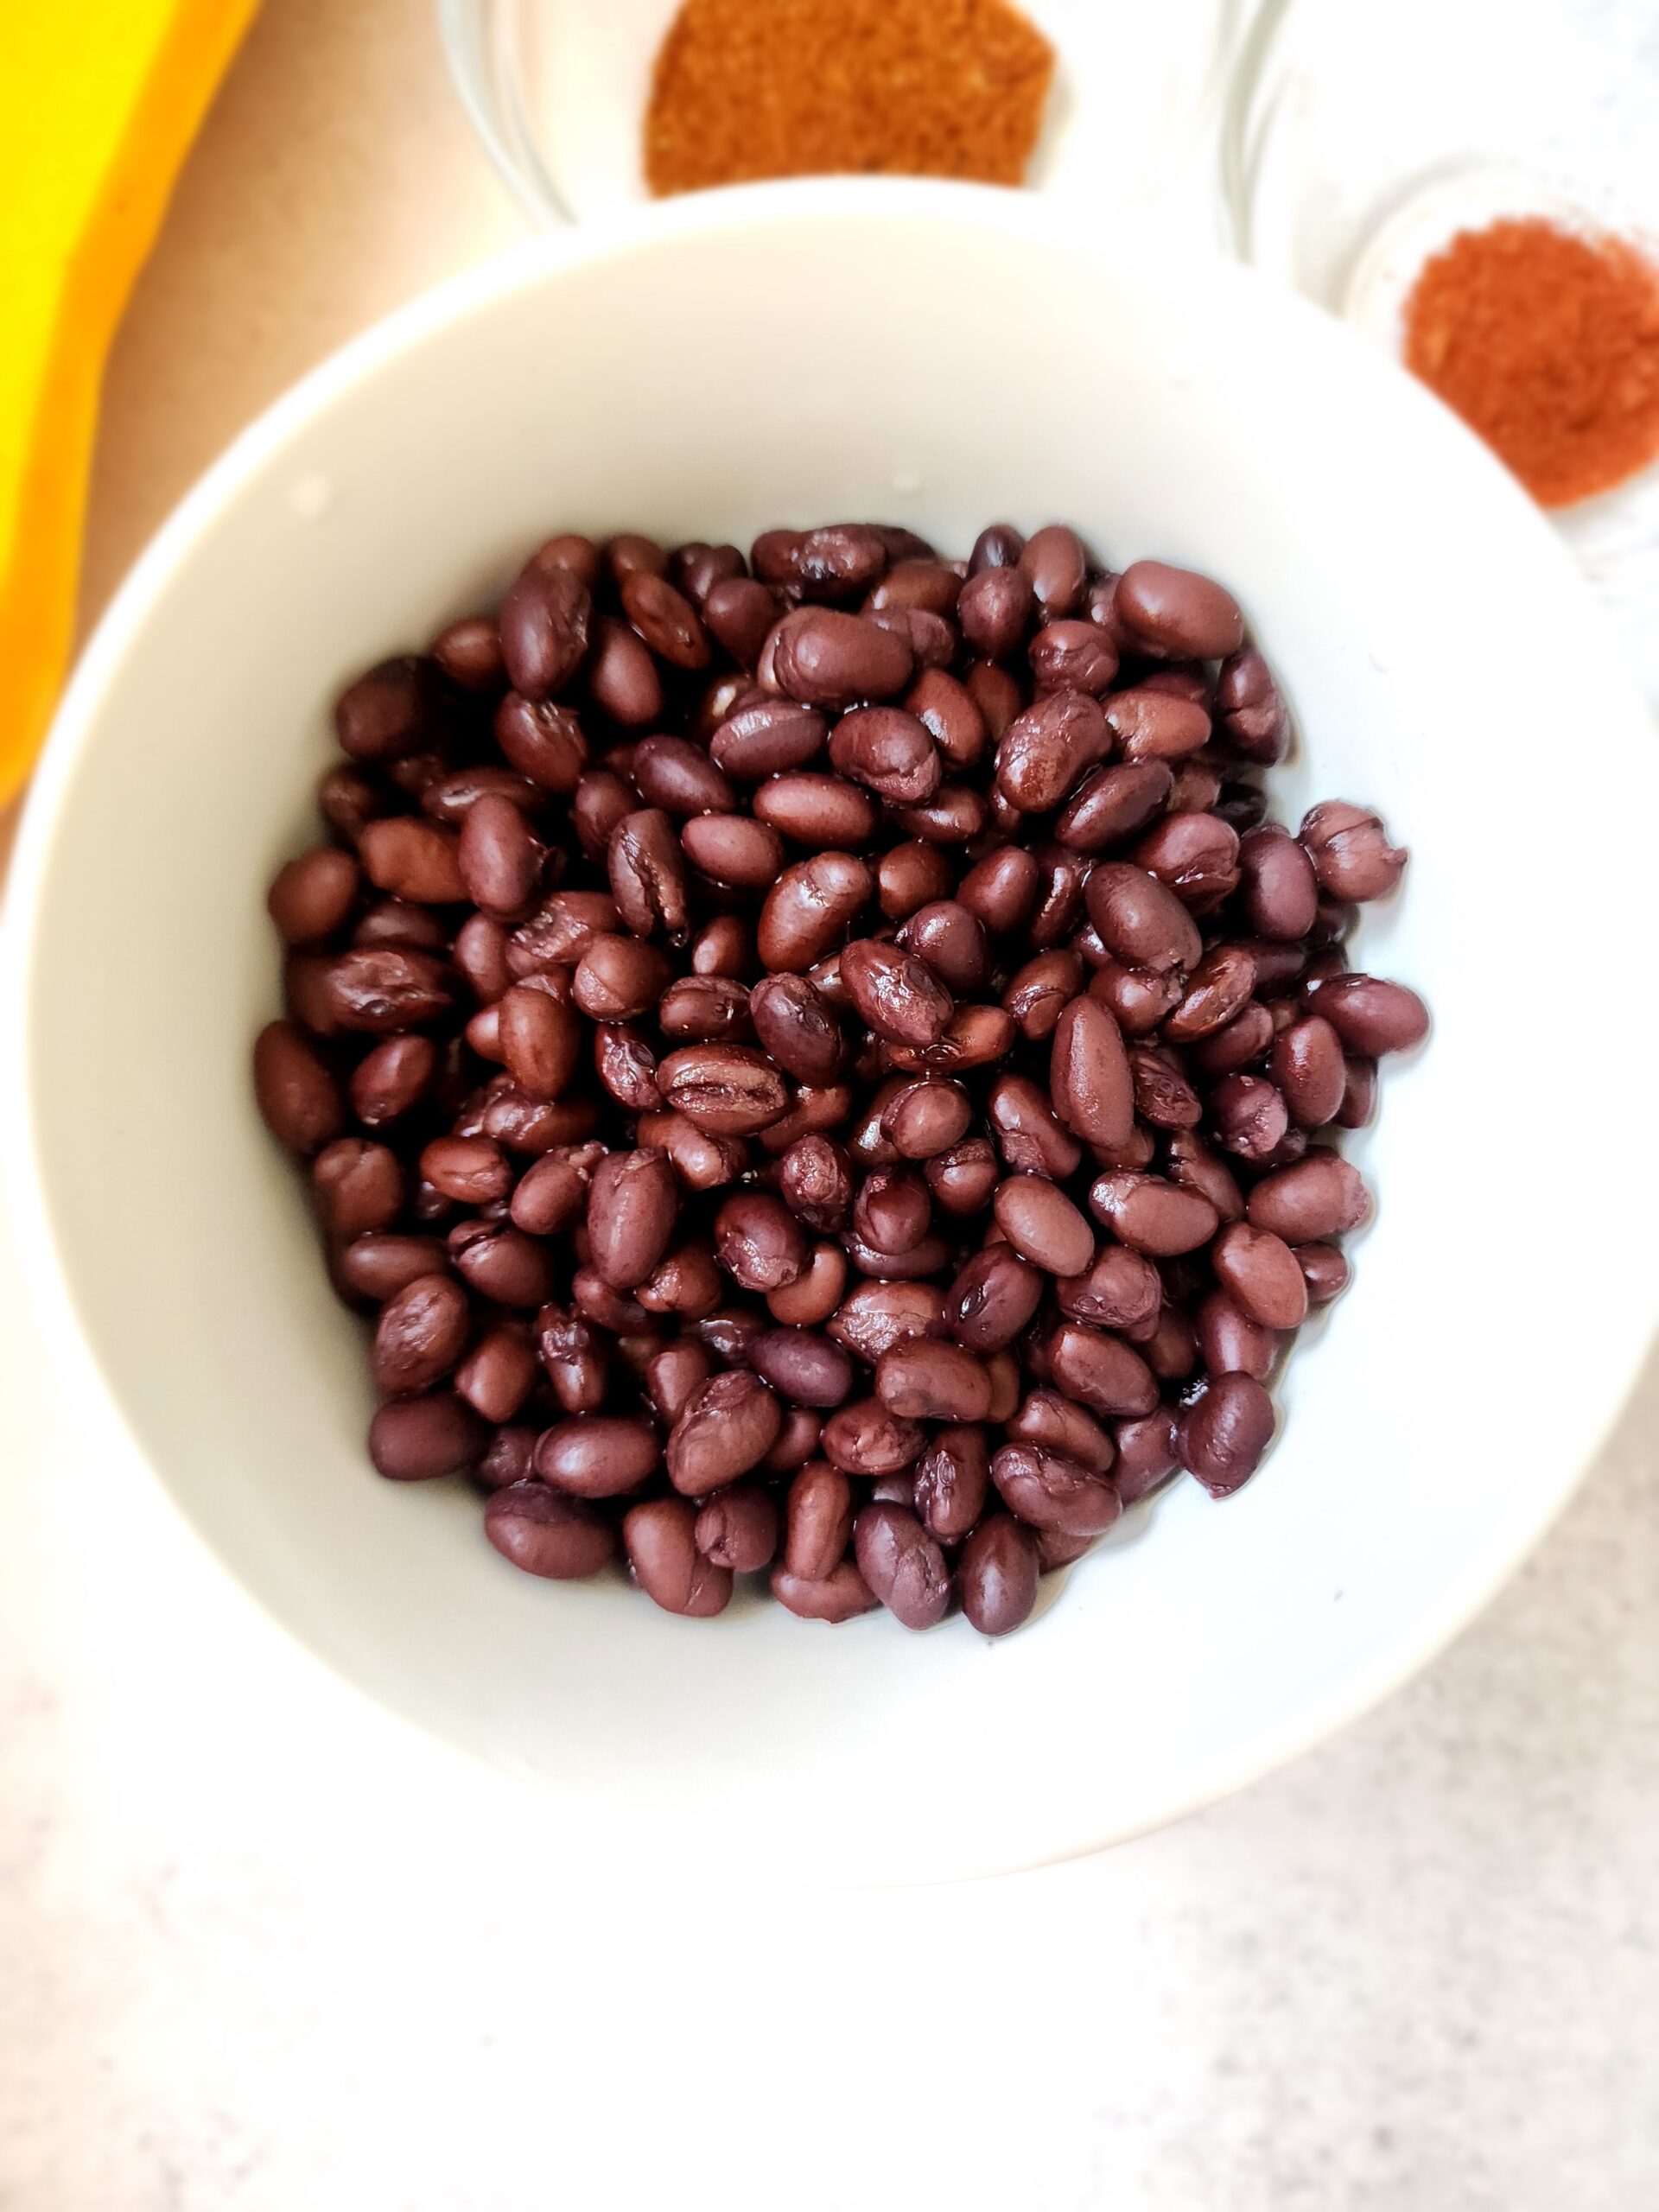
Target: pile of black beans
{"x":821,"y":1064}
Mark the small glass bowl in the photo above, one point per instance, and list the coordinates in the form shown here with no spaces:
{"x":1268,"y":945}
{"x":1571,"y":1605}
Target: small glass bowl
{"x":556,"y":89}
{"x":1361,"y":136}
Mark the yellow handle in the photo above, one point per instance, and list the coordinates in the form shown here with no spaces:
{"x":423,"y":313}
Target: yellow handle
{"x":98,"y":103}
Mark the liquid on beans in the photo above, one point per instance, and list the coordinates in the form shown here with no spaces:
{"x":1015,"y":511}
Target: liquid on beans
{"x":819,"y":1064}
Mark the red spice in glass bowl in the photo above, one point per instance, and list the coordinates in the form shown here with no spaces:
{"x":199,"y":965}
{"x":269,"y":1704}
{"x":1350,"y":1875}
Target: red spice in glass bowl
{"x":1546,"y":341}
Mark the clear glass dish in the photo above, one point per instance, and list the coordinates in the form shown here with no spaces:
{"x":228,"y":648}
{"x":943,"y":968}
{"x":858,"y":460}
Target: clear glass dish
{"x":1361,"y":136}
{"x":556,"y":89}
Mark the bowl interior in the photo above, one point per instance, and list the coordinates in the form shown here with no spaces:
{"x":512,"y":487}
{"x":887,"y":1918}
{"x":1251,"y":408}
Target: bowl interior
{"x":938,"y":357}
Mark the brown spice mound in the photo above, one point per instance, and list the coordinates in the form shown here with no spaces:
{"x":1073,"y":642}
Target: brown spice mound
{"x":763,"y":88}
{"x":1547,"y":343}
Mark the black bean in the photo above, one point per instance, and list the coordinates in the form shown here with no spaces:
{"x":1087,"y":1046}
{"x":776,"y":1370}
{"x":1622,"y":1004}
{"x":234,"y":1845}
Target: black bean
{"x":1307,"y":1063}
{"x":1100,"y":1371}
{"x":383,"y":991}
{"x":923,"y":1379}
{"x":499,"y":1373}
{"x":951,"y":1481}
{"x":1371,"y":1017}
{"x":818,"y":1521}
{"x":1047,"y":1489}
{"x":903,"y":1565}
{"x":890,"y":1209}
{"x":867,"y":1439}
{"x":737,"y":1528}
{"x":1120,"y":1290}
{"x":633,"y":1205}
{"x":1249,"y":1115}
{"x":313,"y":897}
{"x":414,"y":1440}
{"x":1043,"y":1225}
{"x":728,"y":1428}
{"x":759,"y":1242}
{"x":358,"y":1187}
{"x":548,"y":1535}
{"x":726,"y":1089}
{"x":1044,"y":751}
{"x":597,"y":1458}
{"x":950,"y":939}
{"x":798,"y":1027}
{"x":297,"y":1095}
{"x":471,"y":1170}
{"x":809,"y":909}
{"x":420,"y":1335}
{"x":622,"y":678}
{"x":659,"y":1536}
{"x":877,"y":1314}
{"x":378,"y":1265}
{"x":998,"y":545}
{"x":961,"y":1180}
{"x":1195,"y":854}
{"x":469,"y":653}
{"x":1232,"y":1341}
{"x":385,"y":715}
{"x":1320,"y":1196}
{"x":665,"y":620}
{"x":1261,"y":1274}
{"x":1176,"y":611}
{"x":1148,"y":1453}
{"x":392,"y":1078}
{"x":1350,"y":852}
{"x":544,"y":627}
{"x":1153,"y":725}
{"x":1253,"y":718}
{"x":997,"y":1574}
{"x":1055,"y":564}
{"x":699,"y":1007}
{"x":993,"y":1299}
{"x":1224,"y":1432}
{"x":1326,"y":1271}
{"x":510,"y":1458}
{"x":1140,"y":919}
{"x":825,"y":658}
{"x":838,"y":1597}
{"x":1002,"y":889}
{"x":1089,"y":1074}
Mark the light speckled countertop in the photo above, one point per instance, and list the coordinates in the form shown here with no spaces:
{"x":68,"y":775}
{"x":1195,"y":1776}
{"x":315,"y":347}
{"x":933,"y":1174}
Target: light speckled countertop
{"x":263,"y":1950}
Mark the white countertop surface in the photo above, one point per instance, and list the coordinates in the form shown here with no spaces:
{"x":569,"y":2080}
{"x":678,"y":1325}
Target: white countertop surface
{"x":260,"y":1948}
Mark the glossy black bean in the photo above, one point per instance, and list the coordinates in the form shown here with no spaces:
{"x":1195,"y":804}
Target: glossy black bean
{"x":993,"y":1299}
{"x":1225,"y":1430}
{"x":903,"y":1565}
{"x":727,"y":1429}
{"x":545,"y":1533}
{"x":659,"y":1535}
{"x":416,"y":1439}
{"x":997,"y":1575}
{"x":544,"y":625}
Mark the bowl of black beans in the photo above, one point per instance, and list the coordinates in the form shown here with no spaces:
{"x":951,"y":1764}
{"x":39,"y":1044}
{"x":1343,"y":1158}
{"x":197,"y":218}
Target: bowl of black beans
{"x":736,"y":939}
{"x":815,"y":1060}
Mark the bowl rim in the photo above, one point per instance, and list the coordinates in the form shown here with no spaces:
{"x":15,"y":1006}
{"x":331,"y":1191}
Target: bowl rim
{"x":1423,"y":1634}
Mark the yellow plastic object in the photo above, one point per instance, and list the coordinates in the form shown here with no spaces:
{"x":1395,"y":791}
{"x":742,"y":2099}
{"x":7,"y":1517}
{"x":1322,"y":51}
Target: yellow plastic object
{"x":98,"y":103}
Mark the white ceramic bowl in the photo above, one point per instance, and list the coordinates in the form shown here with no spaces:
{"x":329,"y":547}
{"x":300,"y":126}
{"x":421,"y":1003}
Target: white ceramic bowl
{"x":938,"y":356}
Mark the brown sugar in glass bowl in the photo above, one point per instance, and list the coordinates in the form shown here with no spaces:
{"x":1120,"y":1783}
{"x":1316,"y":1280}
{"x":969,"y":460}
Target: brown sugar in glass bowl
{"x":745,"y":89}
{"x":1546,"y":341}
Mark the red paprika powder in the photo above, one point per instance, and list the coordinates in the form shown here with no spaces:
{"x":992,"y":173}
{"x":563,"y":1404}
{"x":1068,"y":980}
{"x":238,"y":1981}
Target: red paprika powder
{"x":1547,"y":342}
